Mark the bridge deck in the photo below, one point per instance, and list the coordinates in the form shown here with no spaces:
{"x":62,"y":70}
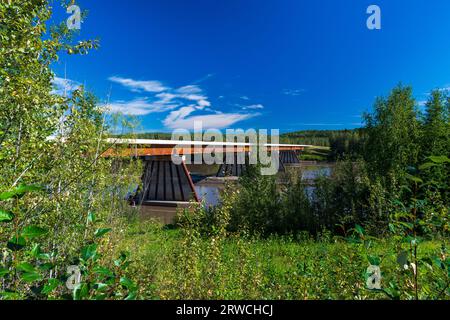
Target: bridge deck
{"x":146,"y":147}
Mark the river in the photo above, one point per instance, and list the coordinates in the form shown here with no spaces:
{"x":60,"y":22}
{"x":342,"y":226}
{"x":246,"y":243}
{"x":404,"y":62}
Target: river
{"x":208,"y":188}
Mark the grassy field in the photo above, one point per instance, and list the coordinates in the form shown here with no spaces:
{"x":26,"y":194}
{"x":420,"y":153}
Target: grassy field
{"x":315,"y":154}
{"x":174,"y":264}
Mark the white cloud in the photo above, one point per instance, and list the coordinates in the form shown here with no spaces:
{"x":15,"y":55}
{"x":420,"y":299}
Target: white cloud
{"x":182,"y":102}
{"x":63,"y":86}
{"x":139,"y":86}
{"x":189,"y":89}
{"x":139,"y":107}
{"x":182,"y":119}
{"x":245,"y":98}
{"x":253,"y":107}
{"x":166,"y":97}
{"x":201,"y":101}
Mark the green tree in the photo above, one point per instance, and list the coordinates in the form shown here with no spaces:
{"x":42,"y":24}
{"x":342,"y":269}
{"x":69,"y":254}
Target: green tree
{"x":436,"y":129}
{"x":393,"y":136}
{"x":52,"y":141}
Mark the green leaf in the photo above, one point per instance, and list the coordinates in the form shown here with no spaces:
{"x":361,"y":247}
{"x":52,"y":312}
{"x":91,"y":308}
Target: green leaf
{"x":6,"y":195}
{"x":101,"y":286}
{"x":428,"y":262}
{"x":103,"y":271}
{"x":51,"y":285}
{"x":26,"y":267}
{"x":88,"y":252}
{"x":7,"y":295}
{"x":427,"y":165}
{"x":30,"y":276}
{"x":414,"y":178}
{"x":407,"y":225}
{"x":439,"y":159}
{"x":131,"y":296}
{"x":46,"y":266}
{"x":19,"y":192}
{"x":37,"y":253}
{"x":33,"y":232}
{"x":91,"y":217}
{"x":360,"y":230}
{"x":80,"y":291}
{"x":439,"y":263}
{"x":374,"y":260}
{"x":121,"y":261}
{"x":101,"y":232}
{"x":6,"y":216}
{"x":16,"y":243}
{"x":127,"y":283}
{"x":3,"y":272}
{"x":392,"y":291}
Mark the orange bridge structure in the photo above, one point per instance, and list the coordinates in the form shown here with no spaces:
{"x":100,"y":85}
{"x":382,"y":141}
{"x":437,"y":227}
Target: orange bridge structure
{"x":169,"y":184}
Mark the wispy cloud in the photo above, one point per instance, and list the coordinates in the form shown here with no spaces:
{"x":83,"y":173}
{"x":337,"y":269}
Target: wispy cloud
{"x":140,"y":107}
{"x":253,"y":107}
{"x":183,"y":119}
{"x":210,"y":75}
{"x":293,"y":92}
{"x":245,"y":98}
{"x":190,"y":89}
{"x":182,"y":102}
{"x":164,"y":98}
{"x":139,"y":86}
{"x":64,"y":86}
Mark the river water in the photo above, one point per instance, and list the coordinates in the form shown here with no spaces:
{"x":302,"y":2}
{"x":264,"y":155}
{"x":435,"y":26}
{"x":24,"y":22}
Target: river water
{"x":208,"y":188}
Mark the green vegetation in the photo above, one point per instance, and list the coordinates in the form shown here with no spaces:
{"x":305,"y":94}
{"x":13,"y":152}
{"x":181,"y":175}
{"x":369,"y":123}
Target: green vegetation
{"x":316,"y":154}
{"x":175,"y":264}
{"x":62,"y":204}
{"x":329,"y":145}
{"x":53,"y":179}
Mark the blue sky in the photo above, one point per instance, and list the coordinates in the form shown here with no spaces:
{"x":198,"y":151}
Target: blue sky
{"x":273,"y":64}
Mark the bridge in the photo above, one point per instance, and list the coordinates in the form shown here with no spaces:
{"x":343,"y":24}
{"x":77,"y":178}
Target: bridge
{"x":169,"y":184}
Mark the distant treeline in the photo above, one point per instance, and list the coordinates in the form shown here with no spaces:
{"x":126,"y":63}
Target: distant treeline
{"x":342,"y":143}
{"x":153,"y":135}
{"x":321,"y":138}
{"x":314,"y":137}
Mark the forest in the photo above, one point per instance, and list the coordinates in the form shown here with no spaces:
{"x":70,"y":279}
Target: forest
{"x":386,"y":204}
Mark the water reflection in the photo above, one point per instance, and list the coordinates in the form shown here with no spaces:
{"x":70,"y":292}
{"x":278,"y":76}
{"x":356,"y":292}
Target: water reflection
{"x":314,"y":171}
{"x":210,"y":192}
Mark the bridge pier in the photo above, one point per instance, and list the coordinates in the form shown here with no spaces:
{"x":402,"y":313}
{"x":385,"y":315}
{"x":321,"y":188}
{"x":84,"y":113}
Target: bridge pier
{"x":165,"y":183}
{"x":236,"y":169}
{"x":286,"y":157}
{"x":289,"y":157}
